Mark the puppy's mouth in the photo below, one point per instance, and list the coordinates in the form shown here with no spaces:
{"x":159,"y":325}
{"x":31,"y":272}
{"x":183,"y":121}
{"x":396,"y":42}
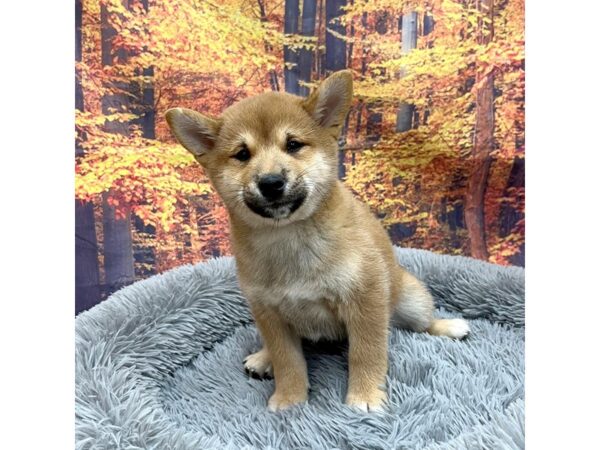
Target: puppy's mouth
{"x":279,"y":209}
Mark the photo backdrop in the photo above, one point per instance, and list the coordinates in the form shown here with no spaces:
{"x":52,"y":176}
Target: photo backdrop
{"x":434,"y":143}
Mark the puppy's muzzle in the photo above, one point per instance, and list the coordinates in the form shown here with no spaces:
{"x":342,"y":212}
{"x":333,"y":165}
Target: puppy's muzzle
{"x":276,"y":198}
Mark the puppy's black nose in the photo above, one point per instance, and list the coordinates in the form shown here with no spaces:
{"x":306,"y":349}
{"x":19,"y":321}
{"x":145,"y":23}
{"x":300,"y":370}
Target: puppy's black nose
{"x":271,"y":186}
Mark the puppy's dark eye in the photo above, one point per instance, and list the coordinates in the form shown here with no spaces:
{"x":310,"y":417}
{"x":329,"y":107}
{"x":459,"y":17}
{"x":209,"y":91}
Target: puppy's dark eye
{"x":292,"y":145}
{"x":243,"y":154}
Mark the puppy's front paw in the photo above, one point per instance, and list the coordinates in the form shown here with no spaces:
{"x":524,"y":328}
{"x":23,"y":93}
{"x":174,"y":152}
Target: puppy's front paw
{"x":258,"y":365}
{"x":368,"y":402}
{"x":279,"y":401}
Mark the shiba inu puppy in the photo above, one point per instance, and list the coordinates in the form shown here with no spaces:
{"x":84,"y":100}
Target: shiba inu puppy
{"x":312,"y":260}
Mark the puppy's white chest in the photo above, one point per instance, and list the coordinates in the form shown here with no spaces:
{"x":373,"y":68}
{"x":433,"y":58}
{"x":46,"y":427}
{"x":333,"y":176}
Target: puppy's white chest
{"x":295,"y":292}
{"x":310,"y":313}
{"x":303,"y":277}
{"x":297,"y":276}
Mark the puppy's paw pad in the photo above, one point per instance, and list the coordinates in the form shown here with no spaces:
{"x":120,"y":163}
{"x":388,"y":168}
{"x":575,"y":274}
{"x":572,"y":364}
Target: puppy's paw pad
{"x":279,"y":402}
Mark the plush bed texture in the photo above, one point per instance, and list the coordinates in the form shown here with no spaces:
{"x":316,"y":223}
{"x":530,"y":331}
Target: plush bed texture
{"x":159,"y":366}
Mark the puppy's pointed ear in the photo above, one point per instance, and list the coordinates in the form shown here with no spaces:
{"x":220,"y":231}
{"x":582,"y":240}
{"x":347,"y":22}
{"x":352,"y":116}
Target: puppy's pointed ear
{"x":330,"y":102}
{"x":195,"y":131}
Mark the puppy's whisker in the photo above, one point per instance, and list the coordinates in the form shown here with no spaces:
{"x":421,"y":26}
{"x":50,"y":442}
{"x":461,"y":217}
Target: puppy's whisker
{"x":305,"y":170}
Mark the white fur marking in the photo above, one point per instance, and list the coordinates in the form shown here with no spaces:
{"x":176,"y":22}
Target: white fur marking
{"x":260,"y":363}
{"x":458,"y":328}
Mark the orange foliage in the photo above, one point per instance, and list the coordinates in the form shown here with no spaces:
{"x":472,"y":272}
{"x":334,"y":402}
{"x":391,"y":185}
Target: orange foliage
{"x":207,"y":55}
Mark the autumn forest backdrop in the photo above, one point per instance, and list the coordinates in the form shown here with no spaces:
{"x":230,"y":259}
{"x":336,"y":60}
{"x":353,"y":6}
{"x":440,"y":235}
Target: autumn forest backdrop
{"x":434,"y":142}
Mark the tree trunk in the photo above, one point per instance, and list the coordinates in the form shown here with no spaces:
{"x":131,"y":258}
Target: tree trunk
{"x":78,"y":57}
{"x":118,"y":248}
{"x":148,"y":115}
{"x":509,"y":216}
{"x":483,"y":144}
{"x":374,"y":125}
{"x":305,"y":58}
{"x":406,"y":111}
{"x":351,"y":43}
{"x":335,"y":48}
{"x":272,"y":73}
{"x":369,"y":139}
{"x":290,"y":57}
{"x":428,"y":24}
{"x":358,"y":110}
{"x":144,"y":254}
{"x":374,"y":113}
{"x":335,"y":57}
{"x":321,"y":33}
{"x":87,"y":273}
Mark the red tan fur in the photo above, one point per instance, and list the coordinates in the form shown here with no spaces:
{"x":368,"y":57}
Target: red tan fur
{"x":325,"y":270}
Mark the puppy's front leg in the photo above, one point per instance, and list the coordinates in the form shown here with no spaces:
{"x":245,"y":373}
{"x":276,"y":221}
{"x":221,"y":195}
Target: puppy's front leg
{"x":289,"y":366}
{"x":367,"y":357}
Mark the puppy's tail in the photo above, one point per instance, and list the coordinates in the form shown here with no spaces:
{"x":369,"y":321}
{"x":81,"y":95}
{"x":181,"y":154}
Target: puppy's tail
{"x":454,"y":328}
{"x":415,"y":310}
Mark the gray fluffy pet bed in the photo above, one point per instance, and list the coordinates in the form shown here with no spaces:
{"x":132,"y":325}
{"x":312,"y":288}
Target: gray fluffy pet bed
{"x":159,"y":366}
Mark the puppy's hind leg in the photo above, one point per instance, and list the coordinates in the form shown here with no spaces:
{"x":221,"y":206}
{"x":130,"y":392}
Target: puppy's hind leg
{"x":415,"y":307}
